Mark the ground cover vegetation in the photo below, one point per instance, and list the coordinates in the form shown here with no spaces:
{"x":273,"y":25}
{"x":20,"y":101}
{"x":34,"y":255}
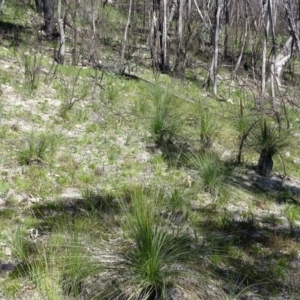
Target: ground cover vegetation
{"x":149,"y":149}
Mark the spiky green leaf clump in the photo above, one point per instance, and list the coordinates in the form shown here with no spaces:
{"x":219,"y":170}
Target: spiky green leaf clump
{"x":213,"y":172}
{"x":206,"y":124}
{"x":152,"y":259}
{"x":267,"y":141}
{"x":165,"y":119}
{"x":268,"y":138}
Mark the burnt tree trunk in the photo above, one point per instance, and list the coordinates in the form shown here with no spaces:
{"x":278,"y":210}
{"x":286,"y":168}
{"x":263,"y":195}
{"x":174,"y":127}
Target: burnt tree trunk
{"x":265,"y":163}
{"x":48,"y":7}
{"x":158,"y":36}
{"x":39,"y":6}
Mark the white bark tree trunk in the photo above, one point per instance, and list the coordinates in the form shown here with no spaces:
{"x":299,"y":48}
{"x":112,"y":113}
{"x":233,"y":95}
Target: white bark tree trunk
{"x":61,"y":54}
{"x":264,"y":53}
{"x":180,"y":25}
{"x":121,"y":70}
{"x":219,"y":4}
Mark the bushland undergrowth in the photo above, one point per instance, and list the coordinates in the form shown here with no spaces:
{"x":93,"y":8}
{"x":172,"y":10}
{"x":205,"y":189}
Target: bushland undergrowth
{"x":115,"y":188}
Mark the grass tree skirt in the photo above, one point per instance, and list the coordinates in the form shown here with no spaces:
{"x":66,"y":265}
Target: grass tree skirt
{"x":265,"y":164}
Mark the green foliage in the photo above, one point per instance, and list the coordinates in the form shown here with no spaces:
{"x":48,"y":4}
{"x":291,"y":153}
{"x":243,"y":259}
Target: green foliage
{"x":243,"y":119}
{"x":207,"y":126}
{"x":71,"y":90}
{"x":21,"y":248}
{"x":213,"y":172}
{"x":36,"y":147}
{"x":31,"y":62}
{"x":97,"y":201}
{"x":151,"y":253}
{"x":293,"y":215}
{"x":76,"y":267}
{"x":267,"y":141}
{"x":165,"y":118}
{"x":268,"y":138}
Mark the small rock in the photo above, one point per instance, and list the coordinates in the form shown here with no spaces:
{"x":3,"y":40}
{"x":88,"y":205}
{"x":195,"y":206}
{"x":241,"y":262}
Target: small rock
{"x":296,"y":161}
{"x":71,"y":194}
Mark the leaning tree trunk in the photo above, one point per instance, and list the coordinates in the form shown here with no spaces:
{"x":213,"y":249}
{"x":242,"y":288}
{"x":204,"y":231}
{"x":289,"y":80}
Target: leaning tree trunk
{"x":282,"y":59}
{"x":48,"y":6}
{"x":287,"y":51}
{"x":265,"y":163}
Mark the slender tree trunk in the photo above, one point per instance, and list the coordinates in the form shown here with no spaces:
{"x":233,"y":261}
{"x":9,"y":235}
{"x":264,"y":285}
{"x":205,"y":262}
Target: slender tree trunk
{"x":226,"y":9}
{"x":154,"y":32}
{"x":75,"y":32}
{"x":165,"y":57}
{"x":244,"y":39}
{"x":158,"y":36}
{"x":61,"y":54}
{"x":273,"y":54}
{"x":122,"y":67}
{"x":264,"y":54}
{"x":92,"y":48}
{"x":219,"y":4}
{"x":199,"y":11}
{"x":180,"y":51}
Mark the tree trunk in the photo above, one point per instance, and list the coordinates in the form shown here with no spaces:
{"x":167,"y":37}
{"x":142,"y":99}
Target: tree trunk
{"x":244,"y":40}
{"x":61,"y":54}
{"x":282,"y":59}
{"x":264,"y":55}
{"x":219,"y":4}
{"x":39,"y":6}
{"x":226,"y":10}
{"x":48,"y":6}
{"x":158,"y":36}
{"x":165,"y":65}
{"x":265,"y":164}
{"x":180,"y":54}
{"x":122,"y":67}
{"x":273,"y":54}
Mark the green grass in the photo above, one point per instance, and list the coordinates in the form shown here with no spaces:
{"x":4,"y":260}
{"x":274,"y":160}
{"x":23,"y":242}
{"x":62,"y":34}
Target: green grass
{"x":213,"y":172}
{"x":37,"y":146}
{"x":150,"y":253}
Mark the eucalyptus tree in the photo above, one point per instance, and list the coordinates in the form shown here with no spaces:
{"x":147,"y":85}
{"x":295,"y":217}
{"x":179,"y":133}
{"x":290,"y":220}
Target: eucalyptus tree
{"x":158,"y":36}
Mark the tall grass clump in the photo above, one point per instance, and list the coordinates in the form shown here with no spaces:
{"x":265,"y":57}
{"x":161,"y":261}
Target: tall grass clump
{"x":213,"y":172}
{"x":153,"y":258}
{"x":31,"y":62}
{"x":36,"y":147}
{"x":243,"y":118}
{"x":165,"y":119}
{"x":206,"y":125}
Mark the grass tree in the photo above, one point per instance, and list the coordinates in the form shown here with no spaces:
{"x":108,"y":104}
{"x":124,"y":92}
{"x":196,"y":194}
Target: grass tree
{"x":268,"y":141}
